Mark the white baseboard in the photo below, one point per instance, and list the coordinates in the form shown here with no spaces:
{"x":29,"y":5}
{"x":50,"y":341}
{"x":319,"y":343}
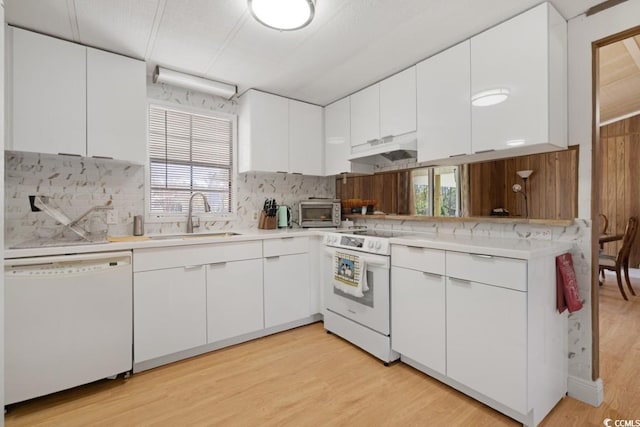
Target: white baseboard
{"x":591,"y":392}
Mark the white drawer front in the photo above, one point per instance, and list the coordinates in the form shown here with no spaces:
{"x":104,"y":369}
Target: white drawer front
{"x":160,"y":258}
{"x":493,"y":270}
{"x":420,"y":259}
{"x":416,"y":258}
{"x":285,"y":246}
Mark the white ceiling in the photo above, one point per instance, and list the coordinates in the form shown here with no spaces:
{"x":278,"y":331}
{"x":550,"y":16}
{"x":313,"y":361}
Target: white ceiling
{"x":349,"y":45}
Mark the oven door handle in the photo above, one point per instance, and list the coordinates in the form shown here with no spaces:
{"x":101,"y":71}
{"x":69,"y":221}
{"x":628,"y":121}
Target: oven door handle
{"x":368,"y":260}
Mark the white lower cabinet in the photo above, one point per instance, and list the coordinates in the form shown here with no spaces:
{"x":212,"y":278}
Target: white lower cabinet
{"x":286,"y":288}
{"x":234,"y":299}
{"x":484,"y":324}
{"x":487,"y":340}
{"x":170,"y":312}
{"x":418,"y":316}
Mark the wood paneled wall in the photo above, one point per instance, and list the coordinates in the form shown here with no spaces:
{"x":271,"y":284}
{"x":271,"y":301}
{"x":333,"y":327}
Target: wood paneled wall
{"x":620,"y":179}
{"x":390,"y":189}
{"x":552,"y":188}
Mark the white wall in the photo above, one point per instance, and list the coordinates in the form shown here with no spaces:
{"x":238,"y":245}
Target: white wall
{"x":582,"y":32}
{"x":2,"y":210}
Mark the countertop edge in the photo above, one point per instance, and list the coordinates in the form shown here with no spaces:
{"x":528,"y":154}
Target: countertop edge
{"x":498,"y":247}
{"x":492,"y":219}
{"x":246,"y":235}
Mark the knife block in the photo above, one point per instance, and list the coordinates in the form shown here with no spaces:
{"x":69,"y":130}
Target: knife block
{"x":267,"y":222}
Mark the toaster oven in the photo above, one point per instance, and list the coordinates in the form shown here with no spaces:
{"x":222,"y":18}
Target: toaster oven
{"x":320,"y":213}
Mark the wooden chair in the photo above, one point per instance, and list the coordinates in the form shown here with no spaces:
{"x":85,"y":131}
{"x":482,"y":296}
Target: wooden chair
{"x":621,"y":260}
{"x":604,"y":225}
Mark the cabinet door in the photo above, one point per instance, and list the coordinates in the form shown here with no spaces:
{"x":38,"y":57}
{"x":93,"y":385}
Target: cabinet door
{"x":170,"y":312}
{"x":398,"y":103}
{"x":487,"y":340}
{"x":263,"y":133}
{"x":305,"y":138}
{"x":512,"y":56}
{"x":286,"y":289}
{"x":365,"y":115}
{"x":48,"y":94}
{"x":116,"y":107}
{"x":234,"y":299}
{"x":444,"y":104}
{"x":337,"y":141}
{"x":418,"y":317}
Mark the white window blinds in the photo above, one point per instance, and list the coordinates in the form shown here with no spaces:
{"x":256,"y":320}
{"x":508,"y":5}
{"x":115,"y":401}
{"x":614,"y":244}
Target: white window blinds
{"x":189,"y":153}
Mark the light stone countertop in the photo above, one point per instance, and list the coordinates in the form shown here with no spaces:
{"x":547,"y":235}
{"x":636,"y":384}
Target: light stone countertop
{"x":180,"y":240}
{"x":496,"y":246}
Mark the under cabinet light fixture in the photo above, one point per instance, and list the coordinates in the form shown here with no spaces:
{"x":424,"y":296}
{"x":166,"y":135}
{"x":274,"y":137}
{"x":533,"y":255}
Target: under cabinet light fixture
{"x":515,"y":142}
{"x":283,"y":15}
{"x":162,"y":75}
{"x":490,"y":97}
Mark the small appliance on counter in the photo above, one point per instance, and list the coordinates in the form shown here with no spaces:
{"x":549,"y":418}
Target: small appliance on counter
{"x":284,"y":216}
{"x":320,"y":213}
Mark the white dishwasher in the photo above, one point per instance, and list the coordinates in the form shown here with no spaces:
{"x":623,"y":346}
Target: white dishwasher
{"x":68,"y":321}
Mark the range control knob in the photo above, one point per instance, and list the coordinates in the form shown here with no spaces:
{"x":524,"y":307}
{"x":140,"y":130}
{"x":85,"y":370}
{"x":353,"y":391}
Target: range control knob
{"x":370,"y":244}
{"x":378,"y":245}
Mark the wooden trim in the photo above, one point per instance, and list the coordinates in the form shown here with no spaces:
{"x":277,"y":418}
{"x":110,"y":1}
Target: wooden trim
{"x":603,"y":6}
{"x":595,"y":177}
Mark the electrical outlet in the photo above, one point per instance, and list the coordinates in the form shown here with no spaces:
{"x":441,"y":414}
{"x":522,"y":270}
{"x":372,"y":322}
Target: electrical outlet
{"x":112,"y":216}
{"x":541,"y":234}
{"x":256,"y":215}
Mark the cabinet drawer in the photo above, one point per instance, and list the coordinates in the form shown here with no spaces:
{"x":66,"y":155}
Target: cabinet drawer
{"x":161,"y":258}
{"x":416,"y":258}
{"x":285,"y":246}
{"x":493,"y":270}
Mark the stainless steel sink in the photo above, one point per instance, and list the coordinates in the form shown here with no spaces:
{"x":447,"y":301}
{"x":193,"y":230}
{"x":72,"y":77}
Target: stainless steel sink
{"x":194,"y":236}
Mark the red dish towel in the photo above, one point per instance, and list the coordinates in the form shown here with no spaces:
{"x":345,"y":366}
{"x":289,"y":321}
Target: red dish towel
{"x":566,"y":285}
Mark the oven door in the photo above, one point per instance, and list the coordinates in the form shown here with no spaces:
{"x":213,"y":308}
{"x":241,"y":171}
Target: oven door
{"x":371,"y":310}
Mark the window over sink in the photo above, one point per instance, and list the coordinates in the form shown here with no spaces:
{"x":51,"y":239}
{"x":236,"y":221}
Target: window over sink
{"x":190,"y":151}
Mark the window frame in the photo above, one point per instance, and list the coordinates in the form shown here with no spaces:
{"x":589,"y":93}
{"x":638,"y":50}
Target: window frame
{"x":153,"y":217}
{"x":431,"y":172}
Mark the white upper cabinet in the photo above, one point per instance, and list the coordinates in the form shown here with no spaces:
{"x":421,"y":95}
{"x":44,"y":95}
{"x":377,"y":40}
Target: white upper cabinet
{"x":277,"y":134}
{"x":337,"y":144}
{"x":305,"y":138}
{"x":525,"y":56}
{"x":263,"y":133}
{"x":365,"y":115}
{"x":66,"y":98}
{"x":398,"y":103}
{"x":47,"y":93}
{"x":444,"y":109}
{"x":116,"y":107}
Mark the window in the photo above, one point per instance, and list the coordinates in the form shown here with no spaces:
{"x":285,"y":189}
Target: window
{"x":435,"y":191}
{"x":189,"y":153}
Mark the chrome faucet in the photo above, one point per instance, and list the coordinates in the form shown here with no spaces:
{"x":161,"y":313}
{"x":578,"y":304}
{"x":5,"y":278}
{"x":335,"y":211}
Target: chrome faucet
{"x":207,"y":208}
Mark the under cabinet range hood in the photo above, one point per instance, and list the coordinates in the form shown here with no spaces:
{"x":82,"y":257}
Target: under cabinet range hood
{"x":386,"y":150}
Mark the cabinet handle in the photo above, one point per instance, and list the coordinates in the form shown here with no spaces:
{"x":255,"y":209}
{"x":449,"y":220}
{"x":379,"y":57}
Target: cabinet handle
{"x":103,"y":157}
{"x":287,"y":238}
{"x":483,"y":256}
{"x":296,"y":173}
{"x":218,"y":264}
{"x":371,"y":141}
{"x":458,"y":155}
{"x":460,"y":281}
{"x":485,"y":151}
{"x":272,"y":257}
{"x":70,"y":154}
{"x":281,"y":171}
{"x":429,"y":274}
{"x":415,"y":248}
{"x":192,"y":267}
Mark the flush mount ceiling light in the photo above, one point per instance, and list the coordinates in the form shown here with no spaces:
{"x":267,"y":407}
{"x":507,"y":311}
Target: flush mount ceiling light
{"x":284,"y":15}
{"x":490,"y":97}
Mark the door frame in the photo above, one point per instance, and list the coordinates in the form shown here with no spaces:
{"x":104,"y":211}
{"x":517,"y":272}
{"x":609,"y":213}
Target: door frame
{"x":595,"y":188}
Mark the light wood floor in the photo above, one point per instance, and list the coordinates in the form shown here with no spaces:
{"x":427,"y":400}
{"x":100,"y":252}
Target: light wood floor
{"x":305,"y":377}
